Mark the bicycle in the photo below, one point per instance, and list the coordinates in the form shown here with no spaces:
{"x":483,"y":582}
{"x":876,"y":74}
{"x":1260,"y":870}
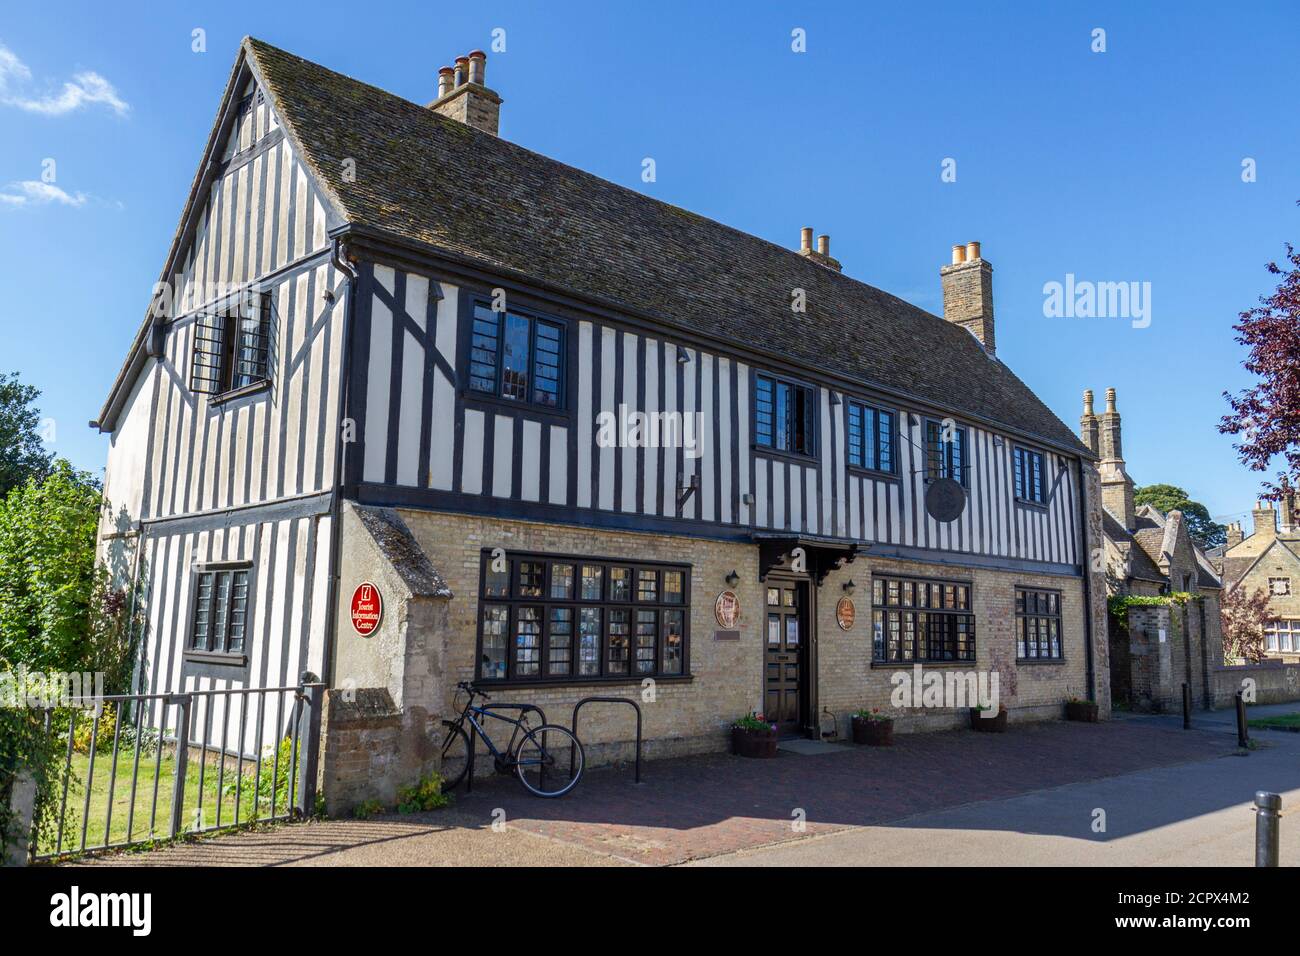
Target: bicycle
{"x":538,"y":758}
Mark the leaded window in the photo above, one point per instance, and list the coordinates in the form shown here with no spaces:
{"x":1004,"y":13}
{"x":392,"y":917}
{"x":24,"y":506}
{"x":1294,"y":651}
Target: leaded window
{"x":1028,"y":475}
{"x":945,"y":446}
{"x":921,"y":620}
{"x":232,"y":345}
{"x":783,"y":415}
{"x":871,"y":437}
{"x":220,"y":620}
{"x":516,"y":357}
{"x":1038,"y":624}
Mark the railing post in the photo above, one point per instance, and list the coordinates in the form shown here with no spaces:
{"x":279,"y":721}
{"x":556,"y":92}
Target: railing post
{"x":308,"y":741}
{"x":1242,"y":737}
{"x":182,"y":702}
{"x":1268,"y":807}
{"x":1187,"y":707}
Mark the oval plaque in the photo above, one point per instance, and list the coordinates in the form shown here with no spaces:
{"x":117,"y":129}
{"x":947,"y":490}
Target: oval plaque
{"x":727,"y":609}
{"x":845,"y":613}
{"x":367,"y":609}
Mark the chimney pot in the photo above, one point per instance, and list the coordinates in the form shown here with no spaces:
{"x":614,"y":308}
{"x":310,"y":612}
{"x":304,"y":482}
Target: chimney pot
{"x":477,"y":66}
{"x":958,"y":254}
{"x":824,"y":244}
{"x":1110,"y":400}
{"x":805,"y":239}
{"x":972,"y":251}
{"x":446,"y":79}
{"x":462,"y":70}
{"x":1087,"y":401}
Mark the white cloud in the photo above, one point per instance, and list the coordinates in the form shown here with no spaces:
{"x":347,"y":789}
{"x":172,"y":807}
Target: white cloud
{"x":31,"y":192}
{"x":83,"y":89}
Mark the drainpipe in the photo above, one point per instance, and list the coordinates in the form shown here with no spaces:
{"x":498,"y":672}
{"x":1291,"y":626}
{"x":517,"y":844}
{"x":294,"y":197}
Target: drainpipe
{"x":340,"y":261}
{"x":1087,"y":584}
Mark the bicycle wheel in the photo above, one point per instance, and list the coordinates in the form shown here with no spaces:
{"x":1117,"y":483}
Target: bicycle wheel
{"x":549,"y":761}
{"x":455,"y":755}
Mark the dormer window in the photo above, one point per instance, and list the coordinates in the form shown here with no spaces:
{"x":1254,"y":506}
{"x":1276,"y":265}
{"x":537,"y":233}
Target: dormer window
{"x":232,"y":346}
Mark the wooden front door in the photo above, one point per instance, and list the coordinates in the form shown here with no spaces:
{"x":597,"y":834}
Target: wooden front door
{"x":785,"y":636}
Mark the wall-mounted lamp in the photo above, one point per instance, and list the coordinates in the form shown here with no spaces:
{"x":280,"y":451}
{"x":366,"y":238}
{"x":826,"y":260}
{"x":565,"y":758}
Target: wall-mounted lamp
{"x":835,"y":398}
{"x":747,"y":498}
{"x":915,"y":419}
{"x":997,"y":441}
{"x":733,"y":579}
{"x":849,"y":586}
{"x":683,"y":356}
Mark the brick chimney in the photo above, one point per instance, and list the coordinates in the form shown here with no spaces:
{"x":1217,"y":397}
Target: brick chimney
{"x":1235,"y":535}
{"x":1116,"y":485}
{"x":1265,"y":520}
{"x":822,"y":255}
{"x":463,"y":96}
{"x":1088,"y":427}
{"x":968,"y":293}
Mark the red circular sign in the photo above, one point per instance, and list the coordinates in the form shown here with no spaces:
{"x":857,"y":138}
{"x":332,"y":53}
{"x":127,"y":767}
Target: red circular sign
{"x":367,"y":609}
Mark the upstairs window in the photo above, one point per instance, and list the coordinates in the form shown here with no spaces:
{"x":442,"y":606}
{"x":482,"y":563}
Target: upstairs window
{"x":945,"y":451}
{"x":1029,"y":475}
{"x":516,"y":357}
{"x":220,"y":618}
{"x":232,"y":346}
{"x":783,"y":415}
{"x":871,"y":438}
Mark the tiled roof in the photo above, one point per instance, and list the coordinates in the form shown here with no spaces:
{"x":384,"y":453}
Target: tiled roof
{"x":438,"y":182}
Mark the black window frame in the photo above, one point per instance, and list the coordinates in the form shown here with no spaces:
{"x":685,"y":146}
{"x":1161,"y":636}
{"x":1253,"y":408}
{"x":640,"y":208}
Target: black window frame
{"x":517,"y":599}
{"x":226,"y":358}
{"x":210,"y":651}
{"x":1022,"y":457}
{"x":939,"y":456}
{"x":1038,"y":615}
{"x":497,"y":393}
{"x":859,"y":448}
{"x":941,"y":623}
{"x":811,"y":394}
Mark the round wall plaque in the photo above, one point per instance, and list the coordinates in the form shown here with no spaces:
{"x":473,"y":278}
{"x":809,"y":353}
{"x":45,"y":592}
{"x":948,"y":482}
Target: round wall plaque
{"x":945,"y":500}
{"x":845,"y":613}
{"x":727,"y":609}
{"x":367,"y":609}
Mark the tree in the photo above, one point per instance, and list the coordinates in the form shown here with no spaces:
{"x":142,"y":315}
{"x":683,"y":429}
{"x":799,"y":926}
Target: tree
{"x":1243,"y":617}
{"x":1166,"y":498}
{"x":22,"y":453}
{"x":1266,"y":416}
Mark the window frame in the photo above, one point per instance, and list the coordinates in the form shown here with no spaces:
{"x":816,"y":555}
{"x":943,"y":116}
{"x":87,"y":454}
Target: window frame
{"x":850,"y":404}
{"x":514,"y":600}
{"x":1275,"y":629}
{"x":1024,"y":452}
{"x":907,"y":583}
{"x":812,"y":425}
{"x":208,"y":653}
{"x":227,"y":341}
{"x":945,"y":461}
{"x":497,"y":396}
{"x":1023,"y":615}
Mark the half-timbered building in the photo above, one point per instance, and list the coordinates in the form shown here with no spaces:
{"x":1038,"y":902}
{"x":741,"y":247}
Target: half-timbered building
{"x":576,"y":440}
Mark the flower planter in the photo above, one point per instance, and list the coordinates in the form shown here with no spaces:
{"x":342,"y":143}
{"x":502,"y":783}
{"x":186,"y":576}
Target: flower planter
{"x":753,"y":743}
{"x":988,"y":725}
{"x":873,"y":733}
{"x":1081,"y":710}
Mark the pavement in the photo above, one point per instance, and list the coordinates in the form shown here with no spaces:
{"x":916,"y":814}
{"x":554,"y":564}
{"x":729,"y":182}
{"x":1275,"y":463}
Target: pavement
{"x":1028,"y":796}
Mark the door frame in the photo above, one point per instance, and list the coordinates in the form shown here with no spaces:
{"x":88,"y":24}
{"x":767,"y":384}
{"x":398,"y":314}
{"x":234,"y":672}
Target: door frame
{"x":808,"y":725}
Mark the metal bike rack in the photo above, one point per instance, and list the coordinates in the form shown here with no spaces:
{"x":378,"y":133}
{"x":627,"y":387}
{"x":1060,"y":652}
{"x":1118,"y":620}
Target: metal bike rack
{"x":473,"y":740}
{"x":609,"y":700}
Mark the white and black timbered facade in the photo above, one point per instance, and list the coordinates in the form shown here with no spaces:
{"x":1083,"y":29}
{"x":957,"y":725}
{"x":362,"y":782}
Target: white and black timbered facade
{"x":348,"y":351}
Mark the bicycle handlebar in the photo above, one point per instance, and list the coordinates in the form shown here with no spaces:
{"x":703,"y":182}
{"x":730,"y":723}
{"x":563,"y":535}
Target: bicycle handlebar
{"x":473,"y":691}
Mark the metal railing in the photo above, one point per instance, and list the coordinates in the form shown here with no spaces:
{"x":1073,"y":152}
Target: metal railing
{"x":609,"y":700}
{"x":216,"y":758}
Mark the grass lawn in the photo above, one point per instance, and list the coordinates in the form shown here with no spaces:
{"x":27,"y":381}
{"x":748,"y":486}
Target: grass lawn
{"x":1280,"y":722}
{"x":153,"y":821}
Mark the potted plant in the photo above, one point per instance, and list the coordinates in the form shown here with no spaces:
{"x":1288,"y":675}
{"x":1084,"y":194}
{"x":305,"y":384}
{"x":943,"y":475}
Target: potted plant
{"x":873,"y":728}
{"x":752,"y":736}
{"x":981,"y":719}
{"x":1083,"y":710}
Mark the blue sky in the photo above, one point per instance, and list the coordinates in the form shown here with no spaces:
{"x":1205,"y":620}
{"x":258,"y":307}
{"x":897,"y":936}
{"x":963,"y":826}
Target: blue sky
{"x":1117,"y":166}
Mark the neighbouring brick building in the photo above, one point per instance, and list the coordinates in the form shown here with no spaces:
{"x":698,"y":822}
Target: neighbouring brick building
{"x":430,"y":407}
{"x":1268,"y":560}
{"x":1154,"y":649}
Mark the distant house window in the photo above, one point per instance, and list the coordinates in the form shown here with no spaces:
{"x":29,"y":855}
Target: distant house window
{"x":915,"y":619}
{"x":871,"y":437}
{"x":945,"y":446}
{"x":219,"y":623}
{"x":232,"y":346}
{"x":1038,"y":625}
{"x":516,"y":357}
{"x":1279,"y":587}
{"x":783,"y":415}
{"x":1282,"y":635}
{"x":1028,"y":475}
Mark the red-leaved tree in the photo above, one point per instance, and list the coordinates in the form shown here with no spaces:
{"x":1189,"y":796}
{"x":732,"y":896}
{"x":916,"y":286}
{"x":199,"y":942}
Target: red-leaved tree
{"x":1243,"y":617}
{"x":1266,"y":416}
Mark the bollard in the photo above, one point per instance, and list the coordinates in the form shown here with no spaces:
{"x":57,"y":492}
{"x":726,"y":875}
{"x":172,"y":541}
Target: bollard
{"x":1187,"y":707}
{"x":1241,"y":720}
{"x":1268,"y":814}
